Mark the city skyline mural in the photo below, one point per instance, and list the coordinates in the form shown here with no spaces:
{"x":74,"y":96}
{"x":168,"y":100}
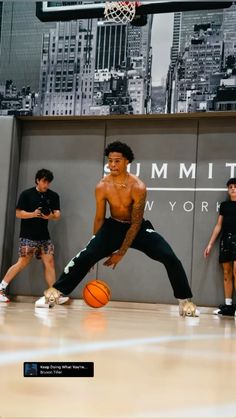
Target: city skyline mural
{"x":178,"y":62}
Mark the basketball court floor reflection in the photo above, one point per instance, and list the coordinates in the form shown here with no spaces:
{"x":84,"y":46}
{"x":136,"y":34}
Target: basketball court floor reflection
{"x":148,"y":362}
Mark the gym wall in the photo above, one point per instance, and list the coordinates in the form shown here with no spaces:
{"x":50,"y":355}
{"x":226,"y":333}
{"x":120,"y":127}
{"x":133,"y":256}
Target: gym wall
{"x":10,"y":141}
{"x":185,"y":162}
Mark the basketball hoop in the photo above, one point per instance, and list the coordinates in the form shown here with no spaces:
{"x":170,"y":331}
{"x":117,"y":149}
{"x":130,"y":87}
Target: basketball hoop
{"x":120,"y":11}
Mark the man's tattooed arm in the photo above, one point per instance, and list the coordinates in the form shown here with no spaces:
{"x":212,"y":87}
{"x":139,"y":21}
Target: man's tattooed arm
{"x":136,"y":220}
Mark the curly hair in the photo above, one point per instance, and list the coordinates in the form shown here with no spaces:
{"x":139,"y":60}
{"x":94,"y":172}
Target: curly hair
{"x":122,"y":148}
{"x":44,"y":174}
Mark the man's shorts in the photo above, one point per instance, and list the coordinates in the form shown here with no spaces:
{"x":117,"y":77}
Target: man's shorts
{"x":227,"y":248}
{"x":35,"y":248}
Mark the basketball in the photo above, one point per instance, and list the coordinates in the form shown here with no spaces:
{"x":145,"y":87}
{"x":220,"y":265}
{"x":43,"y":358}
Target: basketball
{"x":96,"y":293}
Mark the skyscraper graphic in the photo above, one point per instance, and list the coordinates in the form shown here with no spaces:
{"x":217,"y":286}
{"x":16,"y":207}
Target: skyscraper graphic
{"x":67,"y":68}
{"x":229,"y":30}
{"x":117,"y":44}
{"x":111,"y":51}
{"x":139,"y":43}
{"x":200,"y":61}
{"x":184,"y":23}
{"x":123,"y":68}
{"x":193,"y":62}
{"x":200,"y":17}
{"x":94,"y":67}
{"x":176,"y":38}
{"x":0,"y":23}
{"x":21,"y":41}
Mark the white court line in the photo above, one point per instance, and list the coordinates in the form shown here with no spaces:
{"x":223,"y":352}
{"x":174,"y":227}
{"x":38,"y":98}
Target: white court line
{"x":191,"y":353}
{"x":30,"y":339}
{"x":67,"y":348}
{"x":189,"y":189}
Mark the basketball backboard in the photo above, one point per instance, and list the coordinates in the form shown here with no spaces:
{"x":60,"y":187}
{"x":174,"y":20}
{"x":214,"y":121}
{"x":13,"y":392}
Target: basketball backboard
{"x":48,"y":11}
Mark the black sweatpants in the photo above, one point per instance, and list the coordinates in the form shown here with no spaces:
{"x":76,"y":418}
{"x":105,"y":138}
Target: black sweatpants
{"x":109,"y":239}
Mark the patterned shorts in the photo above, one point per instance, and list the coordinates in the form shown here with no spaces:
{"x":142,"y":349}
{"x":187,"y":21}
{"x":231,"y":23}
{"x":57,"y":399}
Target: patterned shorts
{"x":35,"y":248}
{"x":227,"y":248}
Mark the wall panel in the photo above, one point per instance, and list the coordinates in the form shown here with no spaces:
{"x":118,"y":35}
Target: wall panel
{"x":185,"y":164}
{"x":74,"y":152}
{"x":216,"y":164}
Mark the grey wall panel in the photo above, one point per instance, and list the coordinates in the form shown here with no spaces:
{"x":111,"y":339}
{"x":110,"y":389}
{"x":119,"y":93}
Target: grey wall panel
{"x":74,"y":152}
{"x":138,"y":278}
{"x":9,"y":165}
{"x":216,"y":145}
{"x":6,"y":124}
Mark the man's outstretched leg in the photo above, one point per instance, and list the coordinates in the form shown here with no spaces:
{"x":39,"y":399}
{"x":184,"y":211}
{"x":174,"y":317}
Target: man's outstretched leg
{"x":156,"y":247}
{"x":45,"y":252}
{"x":106,"y":241}
{"x":75,"y":271}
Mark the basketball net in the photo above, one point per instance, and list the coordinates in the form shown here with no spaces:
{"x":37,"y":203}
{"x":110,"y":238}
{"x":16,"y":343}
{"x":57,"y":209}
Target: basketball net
{"x":120,"y":11}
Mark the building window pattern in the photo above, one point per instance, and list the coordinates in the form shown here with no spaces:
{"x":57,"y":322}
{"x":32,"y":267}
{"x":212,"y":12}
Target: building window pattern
{"x":66,"y":67}
{"x":202,"y":74}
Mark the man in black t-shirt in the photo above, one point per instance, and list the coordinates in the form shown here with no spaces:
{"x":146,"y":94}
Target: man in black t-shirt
{"x":35,"y":207}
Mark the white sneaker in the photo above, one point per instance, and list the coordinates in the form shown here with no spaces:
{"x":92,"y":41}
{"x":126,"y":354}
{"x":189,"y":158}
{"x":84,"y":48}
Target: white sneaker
{"x":188,"y":309}
{"x":217,"y":311}
{"x":62,"y":299}
{"x":42,"y":302}
{"x":3,"y":297}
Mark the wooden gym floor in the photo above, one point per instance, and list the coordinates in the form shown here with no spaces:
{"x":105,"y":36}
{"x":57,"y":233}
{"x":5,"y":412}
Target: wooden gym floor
{"x":149,"y":362}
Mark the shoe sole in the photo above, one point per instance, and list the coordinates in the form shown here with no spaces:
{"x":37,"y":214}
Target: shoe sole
{"x":64,"y":302}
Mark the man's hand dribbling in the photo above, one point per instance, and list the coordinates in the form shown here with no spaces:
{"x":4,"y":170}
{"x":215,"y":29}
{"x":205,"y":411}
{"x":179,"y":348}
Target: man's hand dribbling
{"x":113,"y":260}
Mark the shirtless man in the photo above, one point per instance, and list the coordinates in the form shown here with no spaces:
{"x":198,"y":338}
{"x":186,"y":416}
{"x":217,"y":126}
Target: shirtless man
{"x":126,"y":195}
